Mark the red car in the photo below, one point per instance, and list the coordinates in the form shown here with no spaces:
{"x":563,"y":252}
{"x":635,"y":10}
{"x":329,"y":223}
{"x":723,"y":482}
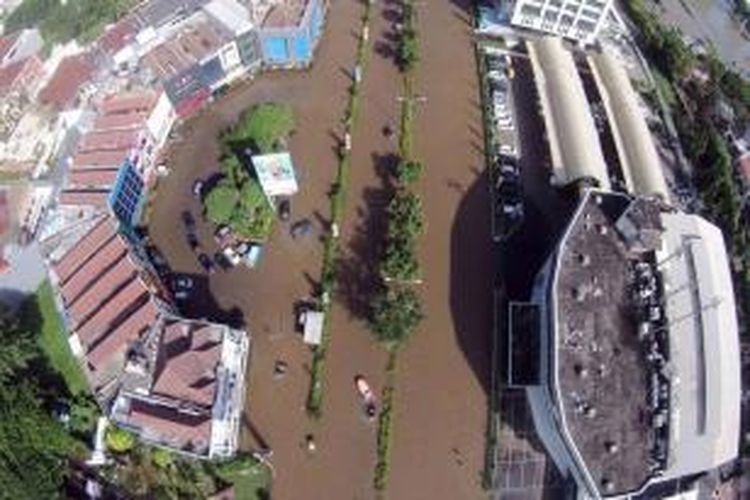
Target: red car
{"x":367,"y":396}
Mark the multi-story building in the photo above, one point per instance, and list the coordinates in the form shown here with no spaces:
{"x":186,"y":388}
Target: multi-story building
{"x":629,"y":349}
{"x":579,"y":20}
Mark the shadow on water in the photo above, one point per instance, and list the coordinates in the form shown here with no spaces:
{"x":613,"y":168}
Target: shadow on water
{"x":472,"y":267}
{"x":201,"y":304}
{"x":358,"y":267}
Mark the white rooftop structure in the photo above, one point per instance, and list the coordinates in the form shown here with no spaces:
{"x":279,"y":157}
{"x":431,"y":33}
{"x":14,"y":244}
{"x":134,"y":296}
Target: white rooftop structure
{"x":233,"y":15}
{"x":579,"y":20}
{"x":638,"y":378}
{"x":276,"y":174}
{"x":573,"y":139}
{"x":700,"y":309}
{"x":635,"y":146}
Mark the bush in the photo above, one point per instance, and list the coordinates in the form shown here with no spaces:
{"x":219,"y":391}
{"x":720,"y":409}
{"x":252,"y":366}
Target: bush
{"x":84,"y":413}
{"x":396,"y":314}
{"x":408,"y":172}
{"x":162,"y":458}
{"x":119,"y":440}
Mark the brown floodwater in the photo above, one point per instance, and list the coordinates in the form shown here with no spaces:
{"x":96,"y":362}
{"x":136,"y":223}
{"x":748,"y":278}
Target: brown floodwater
{"x":443,"y":372}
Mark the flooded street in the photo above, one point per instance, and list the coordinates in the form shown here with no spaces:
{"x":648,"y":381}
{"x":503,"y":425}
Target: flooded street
{"x":709,"y":20}
{"x":441,"y":399}
{"x":443,"y":373}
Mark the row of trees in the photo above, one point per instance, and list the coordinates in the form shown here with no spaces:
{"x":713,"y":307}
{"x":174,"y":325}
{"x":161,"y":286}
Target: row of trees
{"x":237,"y":199}
{"x":397,"y":308}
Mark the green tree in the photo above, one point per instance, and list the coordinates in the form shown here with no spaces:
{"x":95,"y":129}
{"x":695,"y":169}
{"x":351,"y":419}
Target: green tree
{"x":264,"y":127}
{"x":405,"y":215}
{"x":33,"y":446}
{"x":19,"y":347}
{"x":396,"y":314}
{"x":221,"y":202}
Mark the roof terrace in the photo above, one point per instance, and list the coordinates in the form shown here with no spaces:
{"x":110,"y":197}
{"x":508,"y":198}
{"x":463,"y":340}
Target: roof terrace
{"x":602,"y":369}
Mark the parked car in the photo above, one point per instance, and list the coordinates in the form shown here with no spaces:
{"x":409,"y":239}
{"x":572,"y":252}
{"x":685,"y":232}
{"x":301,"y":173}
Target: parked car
{"x":231,"y":256}
{"x":198,"y":188}
{"x":188,"y":220}
{"x":182,"y":282}
{"x":206,"y":263}
{"x":285,"y":209}
{"x":301,"y":228}
{"x":369,"y":403}
{"x":221,"y":260}
{"x":193,"y":242}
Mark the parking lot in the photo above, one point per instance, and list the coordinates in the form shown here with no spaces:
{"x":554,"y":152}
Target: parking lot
{"x":524,"y":471}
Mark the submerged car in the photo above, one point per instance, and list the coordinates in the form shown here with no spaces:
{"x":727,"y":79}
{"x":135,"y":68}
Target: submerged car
{"x":285,"y":209}
{"x":369,"y":402}
{"x":206,"y":263}
{"x":301,"y":228}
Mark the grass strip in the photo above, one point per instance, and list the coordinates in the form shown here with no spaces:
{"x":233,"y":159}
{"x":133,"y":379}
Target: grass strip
{"x":331,"y":247}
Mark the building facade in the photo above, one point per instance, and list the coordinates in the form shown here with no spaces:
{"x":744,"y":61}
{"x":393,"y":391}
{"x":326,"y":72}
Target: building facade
{"x":578,"y":20}
{"x":291,"y":31}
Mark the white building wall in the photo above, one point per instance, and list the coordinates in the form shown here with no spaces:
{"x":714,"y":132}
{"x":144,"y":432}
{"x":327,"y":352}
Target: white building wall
{"x":160,"y":120}
{"x":576,"y":19}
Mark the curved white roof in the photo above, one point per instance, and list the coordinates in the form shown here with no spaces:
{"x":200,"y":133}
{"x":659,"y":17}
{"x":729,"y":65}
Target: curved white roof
{"x":572,"y":135}
{"x":704,"y":346}
{"x":635,"y":146}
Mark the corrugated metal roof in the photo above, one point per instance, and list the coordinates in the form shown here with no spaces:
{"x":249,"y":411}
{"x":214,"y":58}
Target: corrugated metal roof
{"x":127,"y":332}
{"x":100,"y":292}
{"x":84,"y":198}
{"x":93,"y":269}
{"x":104,"y":319}
{"x":98,"y":159}
{"x":100,"y":178}
{"x":84,"y":249}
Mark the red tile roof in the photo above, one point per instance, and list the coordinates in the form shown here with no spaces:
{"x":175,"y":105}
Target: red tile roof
{"x":110,"y":140}
{"x":99,"y":292}
{"x":188,"y":360}
{"x":104,"y":319}
{"x":6,"y":43}
{"x":10,"y":76}
{"x":177,"y":428}
{"x":121,"y":337}
{"x":93,"y":269}
{"x":84,"y":249}
{"x":285,"y":14}
{"x":70,"y":75}
{"x":97,"y":159}
{"x":118,"y":121}
{"x":85,"y":198}
{"x":4,"y":213}
{"x":177,"y":54}
{"x":117,"y":36}
{"x":101,"y":178}
{"x":743,"y":164}
{"x":138,"y":101}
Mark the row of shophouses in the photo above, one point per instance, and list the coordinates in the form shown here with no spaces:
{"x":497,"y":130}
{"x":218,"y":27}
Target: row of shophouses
{"x":188,"y":50}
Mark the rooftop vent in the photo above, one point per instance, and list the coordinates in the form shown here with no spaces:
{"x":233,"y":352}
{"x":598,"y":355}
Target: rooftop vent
{"x":611,"y":447}
{"x":602,"y":229}
{"x":581,"y":371}
{"x":608,"y":485}
{"x":589,"y":412}
{"x":584,"y":259}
